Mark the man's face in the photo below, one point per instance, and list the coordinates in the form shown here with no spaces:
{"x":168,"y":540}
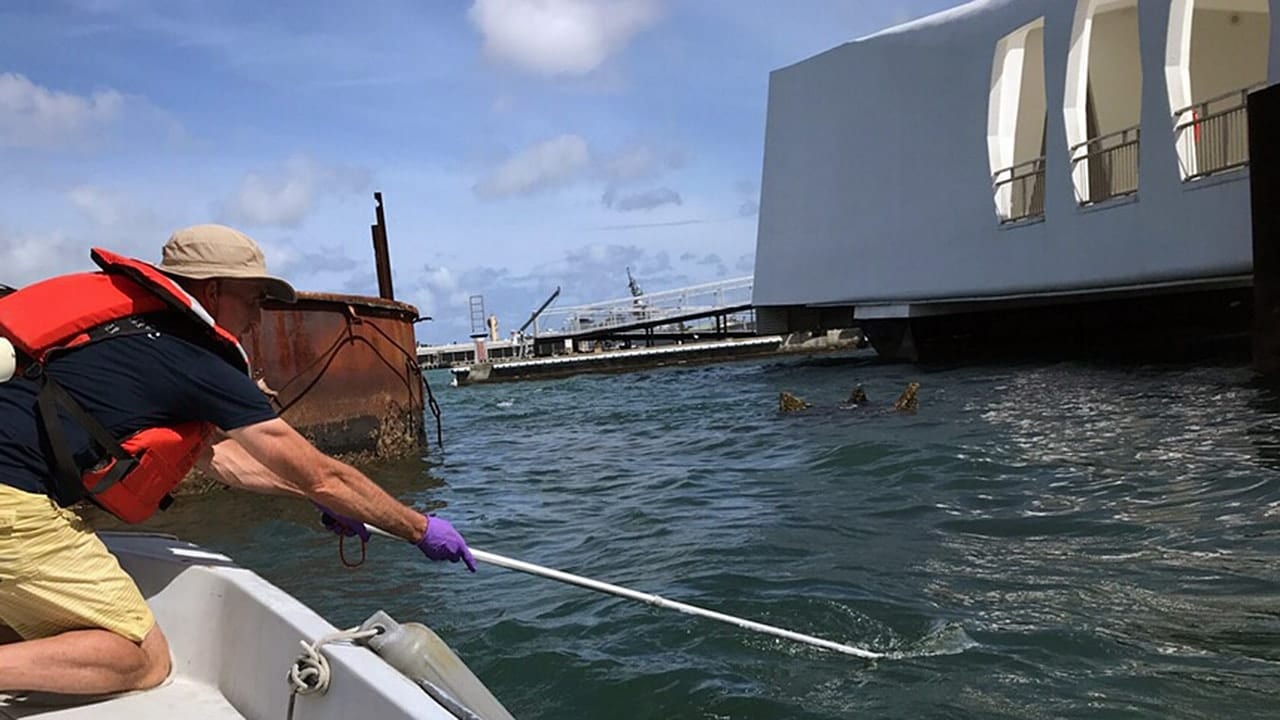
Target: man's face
{"x":238,"y":306}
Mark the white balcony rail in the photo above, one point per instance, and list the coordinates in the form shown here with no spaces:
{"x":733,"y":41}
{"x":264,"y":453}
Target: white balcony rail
{"x":1106,"y":167}
{"x":1019,"y":191}
{"x":1213,"y":135}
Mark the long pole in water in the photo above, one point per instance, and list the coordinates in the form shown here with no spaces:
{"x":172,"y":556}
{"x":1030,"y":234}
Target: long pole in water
{"x":657,"y":601}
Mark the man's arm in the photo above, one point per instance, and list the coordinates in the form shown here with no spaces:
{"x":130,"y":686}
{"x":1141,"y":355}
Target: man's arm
{"x":299,"y":466}
{"x":234,"y":467}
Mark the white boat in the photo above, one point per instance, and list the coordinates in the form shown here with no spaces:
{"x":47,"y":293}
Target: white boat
{"x":235,"y":638}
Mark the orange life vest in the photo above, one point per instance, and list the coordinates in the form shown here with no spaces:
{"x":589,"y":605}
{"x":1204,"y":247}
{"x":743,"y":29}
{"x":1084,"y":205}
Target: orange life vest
{"x":70,"y":311}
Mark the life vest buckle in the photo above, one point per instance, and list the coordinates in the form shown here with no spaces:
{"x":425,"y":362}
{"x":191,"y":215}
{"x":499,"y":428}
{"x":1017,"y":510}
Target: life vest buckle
{"x":34,"y":371}
{"x":117,"y":472}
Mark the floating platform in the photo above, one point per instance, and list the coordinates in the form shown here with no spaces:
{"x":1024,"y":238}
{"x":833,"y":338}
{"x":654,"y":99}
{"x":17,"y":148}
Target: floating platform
{"x":613,"y":360}
{"x":609,"y":361}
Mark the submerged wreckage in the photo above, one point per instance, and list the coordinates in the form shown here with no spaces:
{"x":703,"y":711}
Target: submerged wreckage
{"x":343,"y":368}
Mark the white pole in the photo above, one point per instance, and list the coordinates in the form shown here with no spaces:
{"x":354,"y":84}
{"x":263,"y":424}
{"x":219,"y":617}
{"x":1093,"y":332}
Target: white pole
{"x":658,"y":601}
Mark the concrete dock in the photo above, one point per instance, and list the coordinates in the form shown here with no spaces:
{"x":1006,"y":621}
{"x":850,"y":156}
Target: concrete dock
{"x":605,"y":361}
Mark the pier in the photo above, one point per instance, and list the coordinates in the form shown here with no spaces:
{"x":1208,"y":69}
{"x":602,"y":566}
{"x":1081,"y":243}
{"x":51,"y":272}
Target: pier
{"x":710,"y":322}
{"x":719,"y":310}
{"x":613,"y":360}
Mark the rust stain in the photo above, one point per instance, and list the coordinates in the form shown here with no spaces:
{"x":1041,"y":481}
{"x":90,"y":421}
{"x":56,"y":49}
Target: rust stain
{"x":344,"y":368}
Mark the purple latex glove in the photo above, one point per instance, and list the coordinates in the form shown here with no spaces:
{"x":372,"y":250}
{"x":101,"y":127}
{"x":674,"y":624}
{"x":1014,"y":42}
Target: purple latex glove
{"x":442,"y":542}
{"x":341,"y":524}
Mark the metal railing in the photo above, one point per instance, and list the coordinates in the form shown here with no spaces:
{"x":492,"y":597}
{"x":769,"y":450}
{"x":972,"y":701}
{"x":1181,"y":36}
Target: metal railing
{"x":1019,"y":191}
{"x":1106,"y":167}
{"x":1213,"y":135}
{"x":652,"y":307}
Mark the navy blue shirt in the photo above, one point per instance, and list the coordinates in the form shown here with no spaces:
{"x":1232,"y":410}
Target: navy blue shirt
{"x":128,"y":384}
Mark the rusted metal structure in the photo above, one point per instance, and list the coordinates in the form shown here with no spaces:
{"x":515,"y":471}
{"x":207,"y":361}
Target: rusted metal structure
{"x":344,"y":367}
{"x":344,"y":372}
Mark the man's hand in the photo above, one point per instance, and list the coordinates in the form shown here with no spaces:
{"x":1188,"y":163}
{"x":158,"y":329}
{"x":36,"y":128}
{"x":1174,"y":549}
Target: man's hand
{"x":441,"y":542}
{"x":327,"y":481}
{"x":341,"y":524}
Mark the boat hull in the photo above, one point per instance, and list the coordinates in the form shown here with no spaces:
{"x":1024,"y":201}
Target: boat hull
{"x":233,"y":637}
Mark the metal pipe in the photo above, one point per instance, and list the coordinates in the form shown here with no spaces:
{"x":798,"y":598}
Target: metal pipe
{"x":381,"y":255}
{"x":657,"y":601}
{"x":538,"y":312}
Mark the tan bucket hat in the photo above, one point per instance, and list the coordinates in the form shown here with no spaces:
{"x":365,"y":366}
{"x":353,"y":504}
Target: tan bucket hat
{"x":202,"y":252}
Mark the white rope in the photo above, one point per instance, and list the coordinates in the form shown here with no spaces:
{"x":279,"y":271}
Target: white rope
{"x":310,"y":672}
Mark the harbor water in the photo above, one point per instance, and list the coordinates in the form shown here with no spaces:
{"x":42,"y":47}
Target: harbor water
{"x":1037,"y":541}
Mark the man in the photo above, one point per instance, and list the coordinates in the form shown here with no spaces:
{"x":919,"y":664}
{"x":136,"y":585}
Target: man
{"x":72,"y":621}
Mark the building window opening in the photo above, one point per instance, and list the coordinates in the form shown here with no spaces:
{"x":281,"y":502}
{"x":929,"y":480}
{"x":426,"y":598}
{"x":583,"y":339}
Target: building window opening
{"x":1103,"y":102}
{"x":1217,"y":53}
{"x":1016,"y":124}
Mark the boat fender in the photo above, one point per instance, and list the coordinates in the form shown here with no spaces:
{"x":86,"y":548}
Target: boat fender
{"x":8,"y":360}
{"x":420,"y":655}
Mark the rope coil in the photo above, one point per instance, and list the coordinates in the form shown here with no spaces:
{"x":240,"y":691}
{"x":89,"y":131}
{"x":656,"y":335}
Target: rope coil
{"x":309,"y":674}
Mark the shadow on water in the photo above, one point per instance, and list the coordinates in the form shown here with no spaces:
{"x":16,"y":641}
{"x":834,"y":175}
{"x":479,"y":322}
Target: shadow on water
{"x":843,"y":359}
{"x":1264,"y":432}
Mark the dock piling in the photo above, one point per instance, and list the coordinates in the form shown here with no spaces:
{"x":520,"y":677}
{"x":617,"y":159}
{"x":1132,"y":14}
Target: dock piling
{"x":1264,"y":189}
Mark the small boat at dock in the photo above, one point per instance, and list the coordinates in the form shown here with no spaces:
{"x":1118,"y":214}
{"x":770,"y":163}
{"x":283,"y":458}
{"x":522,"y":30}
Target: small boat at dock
{"x":237,"y":643}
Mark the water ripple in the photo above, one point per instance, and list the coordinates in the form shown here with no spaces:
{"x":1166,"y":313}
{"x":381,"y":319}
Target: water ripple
{"x":1038,"y":541}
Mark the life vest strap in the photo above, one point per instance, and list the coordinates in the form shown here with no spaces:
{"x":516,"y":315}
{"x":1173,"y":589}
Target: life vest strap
{"x":67,"y":474}
{"x":132,"y":325}
{"x":52,"y":396}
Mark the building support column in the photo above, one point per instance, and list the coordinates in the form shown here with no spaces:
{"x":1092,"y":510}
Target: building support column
{"x":1264,"y":191}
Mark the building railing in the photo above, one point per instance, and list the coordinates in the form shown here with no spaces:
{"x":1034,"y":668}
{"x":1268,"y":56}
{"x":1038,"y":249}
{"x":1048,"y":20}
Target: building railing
{"x":648,"y":307}
{"x":1106,"y":167}
{"x":1019,"y":191}
{"x":1213,"y":135}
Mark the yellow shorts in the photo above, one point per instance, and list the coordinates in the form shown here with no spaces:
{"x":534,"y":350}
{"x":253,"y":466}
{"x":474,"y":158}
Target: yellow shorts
{"x":56,"y":575}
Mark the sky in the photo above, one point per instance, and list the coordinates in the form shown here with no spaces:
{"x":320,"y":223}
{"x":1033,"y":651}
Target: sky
{"x":519,"y":145}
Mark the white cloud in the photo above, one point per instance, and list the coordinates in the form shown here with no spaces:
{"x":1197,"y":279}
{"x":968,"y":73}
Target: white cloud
{"x":111,"y":209}
{"x":568,"y":158}
{"x":588,"y":273}
{"x":640,"y":162}
{"x":708,"y":260}
{"x":632,"y":165}
{"x":32,"y":115}
{"x":102,"y":207}
{"x":438,"y":289}
{"x":547,"y":164}
{"x":750,"y":193}
{"x":598,"y":271}
{"x":28,"y":257}
{"x":285,"y":195}
{"x":646,"y":200}
{"x":321,"y":268}
{"x":282,"y":257}
{"x":559,"y":37}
